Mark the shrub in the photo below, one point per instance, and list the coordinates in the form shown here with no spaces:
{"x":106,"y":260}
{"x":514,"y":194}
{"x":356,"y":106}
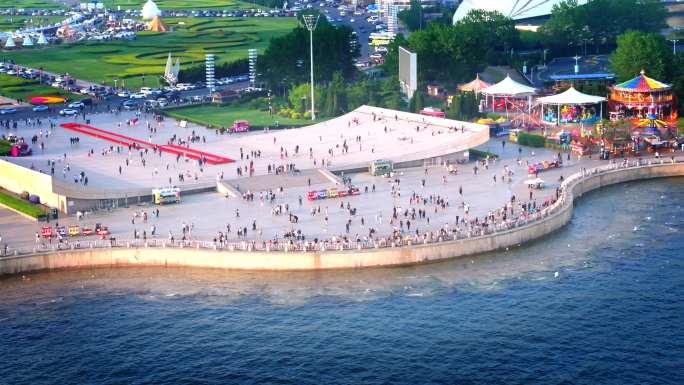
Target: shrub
{"x":532,"y":140}
{"x":5,"y":147}
{"x":477,"y":154}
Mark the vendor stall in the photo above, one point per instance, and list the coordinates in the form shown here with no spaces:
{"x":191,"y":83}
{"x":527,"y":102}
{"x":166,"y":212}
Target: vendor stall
{"x":536,"y":183}
{"x":431,"y":111}
{"x":476,"y":85}
{"x":571,"y":106}
{"x":509,"y":96}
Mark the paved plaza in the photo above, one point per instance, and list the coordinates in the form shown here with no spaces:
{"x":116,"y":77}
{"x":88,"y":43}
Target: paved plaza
{"x":353,"y":139}
{"x":279,"y":204}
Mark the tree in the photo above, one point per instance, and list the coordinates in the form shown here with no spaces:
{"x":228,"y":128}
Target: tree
{"x":413,"y":16}
{"x":678,"y":79}
{"x":464,"y":46}
{"x":454,"y":111}
{"x":638,"y":51}
{"x":390,"y":94}
{"x":336,"y":99}
{"x":299,"y":97}
{"x":198,"y":73}
{"x":416,"y":103}
{"x":492,"y":28}
{"x":391,"y":63}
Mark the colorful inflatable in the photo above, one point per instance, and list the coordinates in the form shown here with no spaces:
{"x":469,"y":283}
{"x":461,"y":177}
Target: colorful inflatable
{"x":47,"y":99}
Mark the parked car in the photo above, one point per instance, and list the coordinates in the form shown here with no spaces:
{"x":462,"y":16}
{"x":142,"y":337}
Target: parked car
{"x":138,"y":95}
{"x":68,"y":112}
{"x":123,"y":94}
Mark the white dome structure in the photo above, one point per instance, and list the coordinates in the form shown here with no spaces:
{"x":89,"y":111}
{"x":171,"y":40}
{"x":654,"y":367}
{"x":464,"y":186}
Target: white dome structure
{"x":150,"y":10}
{"x":515,"y":9}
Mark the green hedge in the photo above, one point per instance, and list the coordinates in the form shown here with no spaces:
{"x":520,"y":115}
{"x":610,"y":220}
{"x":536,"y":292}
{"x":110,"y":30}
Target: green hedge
{"x":477,"y":154}
{"x":532,"y":140}
{"x":5,"y":147}
{"x":25,"y":207}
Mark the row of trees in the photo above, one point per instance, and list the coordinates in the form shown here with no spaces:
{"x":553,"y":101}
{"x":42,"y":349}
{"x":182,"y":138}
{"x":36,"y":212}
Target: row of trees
{"x":450,"y":54}
{"x":339,"y":97}
{"x":285,"y":63}
{"x":653,"y":53}
{"x":198,"y":73}
{"x":598,"y":23}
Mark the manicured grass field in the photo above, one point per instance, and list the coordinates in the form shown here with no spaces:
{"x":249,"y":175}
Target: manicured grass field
{"x":182,"y":4}
{"x":224,"y":116}
{"x":12,"y":23}
{"x":21,"y":89}
{"x":25,"y":207}
{"x":190,"y":40}
{"x":42,"y":4}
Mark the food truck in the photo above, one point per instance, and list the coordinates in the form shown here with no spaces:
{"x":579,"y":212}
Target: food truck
{"x":240,"y":126}
{"x":166,"y":195}
{"x":380,"y":167}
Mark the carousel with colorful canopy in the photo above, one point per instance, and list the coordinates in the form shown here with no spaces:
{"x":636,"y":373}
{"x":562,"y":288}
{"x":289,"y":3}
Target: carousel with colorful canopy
{"x":641,"y":98}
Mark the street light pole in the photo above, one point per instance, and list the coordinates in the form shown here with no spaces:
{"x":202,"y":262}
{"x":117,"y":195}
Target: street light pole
{"x":310,"y":21}
{"x":674,"y":46}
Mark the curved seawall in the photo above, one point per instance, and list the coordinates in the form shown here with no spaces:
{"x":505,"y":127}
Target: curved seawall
{"x":574,"y":187}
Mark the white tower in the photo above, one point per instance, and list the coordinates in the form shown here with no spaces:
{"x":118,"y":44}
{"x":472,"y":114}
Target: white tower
{"x":209,"y":68}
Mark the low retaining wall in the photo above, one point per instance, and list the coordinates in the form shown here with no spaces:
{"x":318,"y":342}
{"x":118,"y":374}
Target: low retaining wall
{"x":575,"y":186}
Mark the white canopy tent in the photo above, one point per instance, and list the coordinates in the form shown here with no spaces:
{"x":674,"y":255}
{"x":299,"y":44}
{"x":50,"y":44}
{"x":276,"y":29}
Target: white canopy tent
{"x":10,"y":42}
{"x":509,"y":89}
{"x":28,"y":42}
{"x":571,"y":97}
{"x":42,"y":40}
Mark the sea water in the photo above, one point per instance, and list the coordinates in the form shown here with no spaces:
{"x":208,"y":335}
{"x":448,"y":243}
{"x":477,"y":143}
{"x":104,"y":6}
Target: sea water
{"x":599,"y":302}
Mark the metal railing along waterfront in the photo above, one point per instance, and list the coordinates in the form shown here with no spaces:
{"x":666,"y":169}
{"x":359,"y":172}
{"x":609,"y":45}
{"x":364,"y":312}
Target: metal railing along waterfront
{"x":335,"y":244}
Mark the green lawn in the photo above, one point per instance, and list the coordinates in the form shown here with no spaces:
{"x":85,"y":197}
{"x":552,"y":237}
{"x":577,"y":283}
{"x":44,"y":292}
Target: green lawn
{"x":224,"y":116}
{"x":191,"y":39}
{"x":182,"y":4}
{"x":12,"y":23}
{"x":42,"y":4}
{"x":21,"y":89}
{"x":25,"y":207}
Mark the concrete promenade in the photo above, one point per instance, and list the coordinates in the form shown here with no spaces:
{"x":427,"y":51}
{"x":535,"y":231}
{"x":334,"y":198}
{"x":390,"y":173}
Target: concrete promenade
{"x":250,"y":256}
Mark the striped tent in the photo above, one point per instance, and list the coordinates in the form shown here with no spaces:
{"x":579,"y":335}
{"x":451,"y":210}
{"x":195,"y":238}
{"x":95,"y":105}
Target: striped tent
{"x":476,"y":85}
{"x":642,"y":83}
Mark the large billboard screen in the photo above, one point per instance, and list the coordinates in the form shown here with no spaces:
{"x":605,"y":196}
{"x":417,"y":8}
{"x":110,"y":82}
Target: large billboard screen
{"x":408,"y":71}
